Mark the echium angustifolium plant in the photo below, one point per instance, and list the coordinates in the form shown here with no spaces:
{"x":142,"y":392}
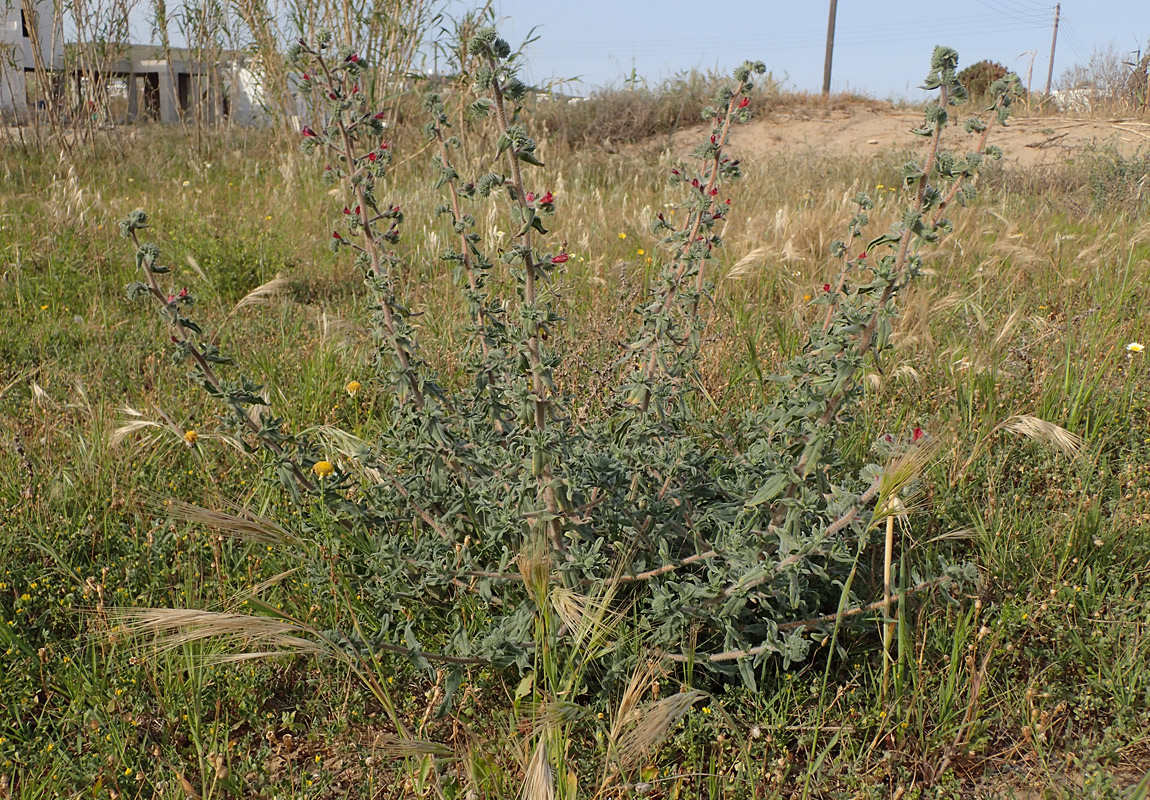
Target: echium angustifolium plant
{"x":493,"y":509}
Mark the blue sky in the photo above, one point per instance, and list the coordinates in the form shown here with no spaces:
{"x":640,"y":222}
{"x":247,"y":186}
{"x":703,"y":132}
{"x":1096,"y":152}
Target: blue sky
{"x":882,"y":47}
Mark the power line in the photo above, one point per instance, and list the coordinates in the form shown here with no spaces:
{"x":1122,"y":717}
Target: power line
{"x":1019,"y":16}
{"x":861,"y":35}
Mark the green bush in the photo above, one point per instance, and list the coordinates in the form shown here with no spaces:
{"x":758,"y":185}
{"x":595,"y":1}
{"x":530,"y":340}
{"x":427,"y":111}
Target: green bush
{"x":486,"y":526}
{"x":980,"y":76}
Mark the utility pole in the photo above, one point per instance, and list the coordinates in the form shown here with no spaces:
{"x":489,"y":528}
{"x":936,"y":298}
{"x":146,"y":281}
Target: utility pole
{"x":830,"y":46}
{"x":1053,"y":43}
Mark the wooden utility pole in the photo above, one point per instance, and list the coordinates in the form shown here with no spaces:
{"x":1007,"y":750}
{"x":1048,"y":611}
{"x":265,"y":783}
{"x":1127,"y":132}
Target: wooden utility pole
{"x":1053,"y":43}
{"x":830,"y":46}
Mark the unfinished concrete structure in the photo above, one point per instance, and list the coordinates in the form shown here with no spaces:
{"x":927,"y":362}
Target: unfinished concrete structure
{"x":31,"y":40}
{"x":117,"y":83}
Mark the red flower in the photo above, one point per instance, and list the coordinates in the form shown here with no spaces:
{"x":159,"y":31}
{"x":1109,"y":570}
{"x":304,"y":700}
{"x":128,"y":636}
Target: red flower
{"x":714,"y":191}
{"x":862,"y":255}
{"x":746,"y":101}
{"x":728,"y":201}
{"x":560,"y":259}
{"x":380,"y":115}
{"x":372,"y":157}
{"x":332,"y":95}
{"x":306,"y":131}
{"x":384,"y":145}
{"x":306,"y":77}
{"x":547,"y":198}
{"x":530,"y":198}
{"x":353,"y":58}
{"x":826,"y":287}
{"x":183,"y":293}
{"x":356,"y":210}
{"x":917,"y":434}
{"x":335,"y":235}
{"x":171,"y":297}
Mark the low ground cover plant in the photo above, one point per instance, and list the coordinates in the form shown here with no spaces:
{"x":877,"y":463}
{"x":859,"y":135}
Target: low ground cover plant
{"x":484,"y":527}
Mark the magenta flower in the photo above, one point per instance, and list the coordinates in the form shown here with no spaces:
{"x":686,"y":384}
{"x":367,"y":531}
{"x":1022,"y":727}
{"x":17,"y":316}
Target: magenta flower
{"x":560,"y":259}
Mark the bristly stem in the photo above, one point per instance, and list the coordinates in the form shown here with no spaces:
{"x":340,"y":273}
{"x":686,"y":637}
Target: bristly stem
{"x":371,"y":246}
{"x":672,"y":287}
{"x":181,"y":336}
{"x":539,"y":387}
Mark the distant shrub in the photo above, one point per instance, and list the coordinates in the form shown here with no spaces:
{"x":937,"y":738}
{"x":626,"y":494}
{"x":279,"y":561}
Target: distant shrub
{"x":1107,"y":83}
{"x":621,"y":115}
{"x":1118,"y":181}
{"x":980,"y":76}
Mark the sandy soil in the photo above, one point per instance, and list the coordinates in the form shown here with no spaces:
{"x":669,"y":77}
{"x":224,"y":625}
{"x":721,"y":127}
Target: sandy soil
{"x":874,"y":128}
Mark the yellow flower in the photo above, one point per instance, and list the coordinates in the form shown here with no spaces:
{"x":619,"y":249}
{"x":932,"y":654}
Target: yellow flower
{"x":1135,"y":347}
{"x":353,"y":388}
{"x":187,"y":183}
{"x":622,"y":235}
{"x":640,"y":251}
{"x":322,"y":468}
{"x":880,"y":187}
{"x":190,"y":437}
{"x":806,"y":298}
{"x":44,"y":307}
{"x":269,"y":216}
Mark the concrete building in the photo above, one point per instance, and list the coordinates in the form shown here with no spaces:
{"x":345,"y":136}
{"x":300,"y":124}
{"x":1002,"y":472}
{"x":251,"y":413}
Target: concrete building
{"x":118,"y":83}
{"x":31,"y":38}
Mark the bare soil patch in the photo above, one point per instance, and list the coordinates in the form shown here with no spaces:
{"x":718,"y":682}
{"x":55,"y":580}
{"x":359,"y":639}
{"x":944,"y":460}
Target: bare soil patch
{"x":873,"y":128}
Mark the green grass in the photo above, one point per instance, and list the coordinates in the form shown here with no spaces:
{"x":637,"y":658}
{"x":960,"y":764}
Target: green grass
{"x":1039,"y":680}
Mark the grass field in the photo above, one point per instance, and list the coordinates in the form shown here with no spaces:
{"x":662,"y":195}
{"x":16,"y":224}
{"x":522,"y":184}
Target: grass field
{"x":1035,"y":683}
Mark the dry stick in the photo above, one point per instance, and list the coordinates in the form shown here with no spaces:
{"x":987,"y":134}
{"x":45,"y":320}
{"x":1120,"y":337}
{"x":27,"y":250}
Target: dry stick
{"x":673,"y":288}
{"x":887,"y":628}
{"x":529,"y":299}
{"x":372,"y":246}
{"x":732,"y":655}
{"x":42,"y":77}
{"x":210,"y":376}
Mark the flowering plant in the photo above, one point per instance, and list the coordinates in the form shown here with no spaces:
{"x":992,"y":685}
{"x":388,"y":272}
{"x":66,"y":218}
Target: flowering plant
{"x":487,"y":526}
